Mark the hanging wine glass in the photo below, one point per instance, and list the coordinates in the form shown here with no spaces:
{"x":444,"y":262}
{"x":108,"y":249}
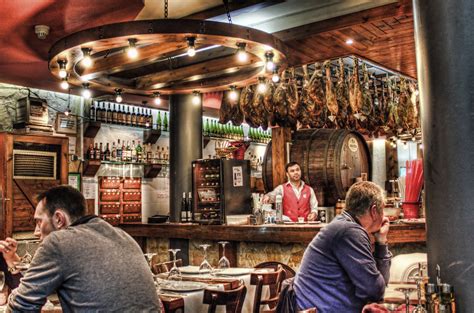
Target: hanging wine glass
{"x":174,"y":272}
{"x":205,"y":266}
{"x":224,"y":262}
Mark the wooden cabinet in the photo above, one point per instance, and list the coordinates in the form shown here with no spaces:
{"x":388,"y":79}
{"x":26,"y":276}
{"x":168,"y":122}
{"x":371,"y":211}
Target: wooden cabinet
{"x":29,"y":165}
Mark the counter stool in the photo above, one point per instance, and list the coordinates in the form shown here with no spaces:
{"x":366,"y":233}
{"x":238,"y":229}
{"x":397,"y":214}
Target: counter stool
{"x":232,"y":299}
{"x":271,"y":279}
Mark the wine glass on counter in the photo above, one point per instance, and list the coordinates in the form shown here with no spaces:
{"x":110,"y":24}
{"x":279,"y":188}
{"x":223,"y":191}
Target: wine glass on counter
{"x":174,"y":272}
{"x":205,"y":266}
{"x":224,"y":262}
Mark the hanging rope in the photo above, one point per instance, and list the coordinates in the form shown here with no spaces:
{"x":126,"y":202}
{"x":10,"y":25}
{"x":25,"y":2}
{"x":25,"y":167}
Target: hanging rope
{"x":226,"y":5}
{"x":166,"y":9}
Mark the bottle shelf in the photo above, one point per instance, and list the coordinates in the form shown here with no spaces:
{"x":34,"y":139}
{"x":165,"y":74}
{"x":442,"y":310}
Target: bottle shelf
{"x":150,"y":135}
{"x":151,"y":170}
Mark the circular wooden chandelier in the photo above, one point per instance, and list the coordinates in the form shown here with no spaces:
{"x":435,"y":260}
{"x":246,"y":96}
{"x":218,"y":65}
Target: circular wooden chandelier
{"x":166,"y":56}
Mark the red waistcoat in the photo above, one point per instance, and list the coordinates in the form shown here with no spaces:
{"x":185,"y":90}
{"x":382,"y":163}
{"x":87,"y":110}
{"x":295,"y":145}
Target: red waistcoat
{"x":294,"y":207}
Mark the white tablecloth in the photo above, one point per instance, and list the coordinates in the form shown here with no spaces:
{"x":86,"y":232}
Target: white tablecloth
{"x":193,"y":300}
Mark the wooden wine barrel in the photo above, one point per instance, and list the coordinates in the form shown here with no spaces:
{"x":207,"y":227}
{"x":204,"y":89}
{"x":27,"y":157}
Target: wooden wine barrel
{"x":330,"y":159}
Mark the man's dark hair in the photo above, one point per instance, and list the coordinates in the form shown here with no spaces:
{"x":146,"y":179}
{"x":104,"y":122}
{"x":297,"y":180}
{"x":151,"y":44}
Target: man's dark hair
{"x":65,"y":198}
{"x":362,"y":195}
{"x":290,"y":164}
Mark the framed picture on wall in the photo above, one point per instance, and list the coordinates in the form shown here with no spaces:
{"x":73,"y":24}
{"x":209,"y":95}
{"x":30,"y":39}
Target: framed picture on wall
{"x":66,"y":124}
{"x":74,"y":180}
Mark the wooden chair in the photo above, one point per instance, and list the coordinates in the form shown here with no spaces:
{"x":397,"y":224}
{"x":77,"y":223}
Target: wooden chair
{"x":274,"y":264}
{"x":165,"y":266}
{"x":271,"y":279}
{"x":232,"y":299}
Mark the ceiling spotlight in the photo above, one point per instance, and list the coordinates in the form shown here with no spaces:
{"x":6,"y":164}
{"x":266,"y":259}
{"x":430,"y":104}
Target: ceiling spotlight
{"x":86,"y":60}
{"x":233,"y":93}
{"x":191,"y":48}
{"x":118,"y":95}
{"x":242,"y":55}
{"x":261,"y":85}
{"x":157,"y":98}
{"x":275,"y":76}
{"x":62,"y":68}
{"x":196,"y":97}
{"x":67,"y":112}
{"x":132,"y":51}
{"x":349,"y":41}
{"x":86,"y":93}
{"x":269,"y":61}
{"x":64,"y":84}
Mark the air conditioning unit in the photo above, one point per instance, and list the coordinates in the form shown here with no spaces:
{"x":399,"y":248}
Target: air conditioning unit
{"x":31,"y":164}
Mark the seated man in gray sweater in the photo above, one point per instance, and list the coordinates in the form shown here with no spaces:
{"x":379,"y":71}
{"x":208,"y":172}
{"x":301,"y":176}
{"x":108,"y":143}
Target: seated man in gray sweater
{"x":93,"y":266}
{"x":339,"y":272}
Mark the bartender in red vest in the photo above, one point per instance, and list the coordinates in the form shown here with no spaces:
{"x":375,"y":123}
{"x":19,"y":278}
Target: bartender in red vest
{"x":299,"y":199}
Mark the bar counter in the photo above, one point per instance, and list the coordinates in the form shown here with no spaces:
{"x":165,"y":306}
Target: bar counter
{"x":275,"y":233}
{"x":250,"y":245}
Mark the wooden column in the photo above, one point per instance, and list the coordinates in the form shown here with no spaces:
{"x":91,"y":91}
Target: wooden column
{"x":280,"y":136}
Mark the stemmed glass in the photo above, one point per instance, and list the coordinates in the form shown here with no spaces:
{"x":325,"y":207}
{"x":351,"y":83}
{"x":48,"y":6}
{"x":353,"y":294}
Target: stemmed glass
{"x":27,"y":257}
{"x":223,"y":263}
{"x":174,"y":272}
{"x":205,"y":266}
{"x":406,"y":292}
{"x":419,"y":278}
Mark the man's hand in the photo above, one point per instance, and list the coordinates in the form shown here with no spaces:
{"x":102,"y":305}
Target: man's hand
{"x":381,"y":235}
{"x":312,"y":216}
{"x":266,"y":199}
{"x":8,"y":248}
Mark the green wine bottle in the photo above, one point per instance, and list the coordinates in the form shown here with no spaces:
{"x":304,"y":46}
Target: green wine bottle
{"x":165,"y":122}
{"x":158,"y":120}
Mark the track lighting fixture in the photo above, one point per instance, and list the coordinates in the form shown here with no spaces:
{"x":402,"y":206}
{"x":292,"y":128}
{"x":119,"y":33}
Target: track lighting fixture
{"x":86,"y":60}
{"x":191,"y":47}
{"x":157,"y":98}
{"x":132,"y":51}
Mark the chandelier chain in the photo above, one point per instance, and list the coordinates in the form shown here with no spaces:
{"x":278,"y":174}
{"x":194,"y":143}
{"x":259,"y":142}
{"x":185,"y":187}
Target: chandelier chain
{"x":226,"y":5}
{"x":166,"y":8}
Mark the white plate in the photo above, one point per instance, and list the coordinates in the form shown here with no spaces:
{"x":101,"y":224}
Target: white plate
{"x":234,"y":271}
{"x":413,"y":221}
{"x":190,"y":269}
{"x":183,"y":286}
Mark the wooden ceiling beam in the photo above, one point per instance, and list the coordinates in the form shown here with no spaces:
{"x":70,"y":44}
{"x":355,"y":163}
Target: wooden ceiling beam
{"x":233,"y":6}
{"x":402,"y":7}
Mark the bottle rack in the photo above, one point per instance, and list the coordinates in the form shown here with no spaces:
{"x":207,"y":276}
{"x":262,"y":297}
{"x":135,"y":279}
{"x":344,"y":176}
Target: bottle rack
{"x":120,"y":199}
{"x":151,"y":170}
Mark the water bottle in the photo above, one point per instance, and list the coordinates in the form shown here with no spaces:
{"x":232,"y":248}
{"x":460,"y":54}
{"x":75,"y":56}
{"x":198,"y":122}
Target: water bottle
{"x":278,"y":209}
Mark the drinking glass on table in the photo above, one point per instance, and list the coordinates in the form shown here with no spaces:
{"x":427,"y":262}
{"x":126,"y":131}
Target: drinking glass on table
{"x":205,"y":266}
{"x":223,"y":261}
{"x":174,"y":272}
{"x":149,"y":257}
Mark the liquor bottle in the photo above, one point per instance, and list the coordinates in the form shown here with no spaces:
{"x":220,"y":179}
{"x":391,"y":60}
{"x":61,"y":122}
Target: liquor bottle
{"x":90,"y":153}
{"x":142,"y":118}
{"x":158,"y":120}
{"x":133,"y":117}
{"x":149,"y":154}
{"x":101,"y":152}
{"x":184,"y":204}
{"x":149,"y":120}
{"x":98,"y":112}
{"x":157,"y":157}
{"x":114,"y":113}
{"x":118,"y":156}
{"x":92,"y":115}
{"x":110,"y":113}
{"x":113,"y":152}
{"x":124,"y":152}
{"x":133,"y":151}
{"x":107,"y":152}
{"x":165,"y":122}
{"x":189,"y":207}
{"x":278,"y":209}
{"x":164,"y":157}
{"x":121,"y":116}
{"x":139,"y":152}
{"x":128,"y":115}
{"x":106,"y":113}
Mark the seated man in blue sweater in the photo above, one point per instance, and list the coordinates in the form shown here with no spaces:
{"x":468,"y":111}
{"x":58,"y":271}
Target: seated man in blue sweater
{"x":339,"y":271}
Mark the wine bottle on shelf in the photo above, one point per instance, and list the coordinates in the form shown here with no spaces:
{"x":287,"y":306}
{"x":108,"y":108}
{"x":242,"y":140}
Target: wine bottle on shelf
{"x":133,"y":118}
{"x":165,"y":122}
{"x":157,"y":156}
{"x":205,"y":130}
{"x":107,"y":152}
{"x":189,"y":207}
{"x":183,"y":208}
{"x":110,"y":114}
{"x":142,"y":118}
{"x":90,"y":153}
{"x":158,"y":120}
{"x":118,"y":155}
{"x":149,"y":154}
{"x":149,"y":120}
{"x":133,"y":152}
{"x":92,"y":116}
{"x":113,"y":152}
{"x":114,"y":113}
{"x":139,"y":152}
{"x":101,"y":152}
{"x":106,"y":113}
{"x":122,"y":117}
{"x":129,"y":116}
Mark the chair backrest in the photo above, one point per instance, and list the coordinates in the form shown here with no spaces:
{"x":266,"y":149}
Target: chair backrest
{"x":165,"y":266}
{"x":271,"y":279}
{"x":274,"y":264}
{"x":232,"y":299}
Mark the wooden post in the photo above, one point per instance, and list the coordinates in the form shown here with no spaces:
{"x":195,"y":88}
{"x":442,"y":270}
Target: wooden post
{"x":280,"y":136}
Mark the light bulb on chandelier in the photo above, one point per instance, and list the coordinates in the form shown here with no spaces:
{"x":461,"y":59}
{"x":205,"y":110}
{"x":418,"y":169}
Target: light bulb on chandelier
{"x":62,"y":68}
{"x":64,"y":84}
{"x":157,"y":98}
{"x":191,"y":47}
{"x":233,"y":93}
{"x":196,"y":97}
{"x":86,"y":60}
{"x":275,"y":76}
{"x":261,"y":85}
{"x":132,"y":51}
{"x":242,"y":55}
{"x":86,"y":93}
{"x":270,"y":66}
{"x":118,"y":95}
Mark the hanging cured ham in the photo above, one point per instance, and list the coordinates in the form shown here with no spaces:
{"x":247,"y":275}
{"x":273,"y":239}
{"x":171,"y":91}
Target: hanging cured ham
{"x":293,"y":98}
{"x":405,"y":108}
{"x":237,"y":116}
{"x":331,"y":101}
{"x":342,"y":96}
{"x":355,"y":91}
{"x":415,"y":100}
{"x":281,"y":103}
{"x":246,"y":98}
{"x":258,"y":110}
{"x":305,"y":116}
{"x":392,"y":120}
{"x":230,"y":110}
{"x":316,"y":94}
{"x":268,"y":103}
